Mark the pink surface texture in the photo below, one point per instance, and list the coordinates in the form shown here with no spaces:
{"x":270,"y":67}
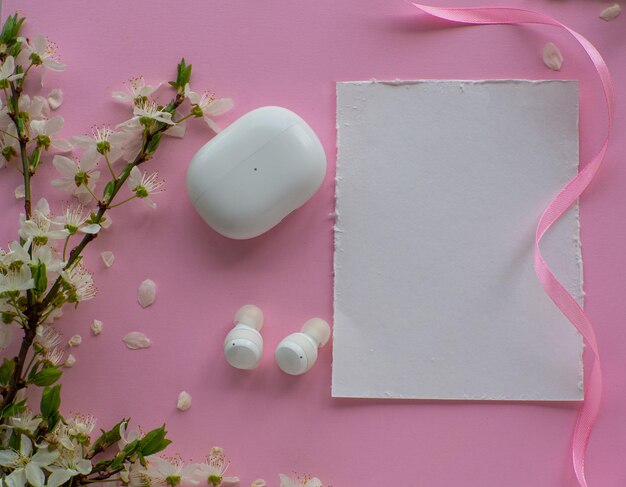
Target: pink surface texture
{"x":290,"y":53}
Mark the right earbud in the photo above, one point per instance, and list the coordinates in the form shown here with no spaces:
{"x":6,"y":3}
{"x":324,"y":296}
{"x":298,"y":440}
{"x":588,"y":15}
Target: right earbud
{"x":297,"y":353}
{"x":243,"y":346}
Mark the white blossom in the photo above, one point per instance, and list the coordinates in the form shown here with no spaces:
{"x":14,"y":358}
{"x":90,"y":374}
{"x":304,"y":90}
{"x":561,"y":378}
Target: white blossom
{"x":213,"y":468}
{"x":7,"y":72}
{"x":25,"y":421}
{"x":74,"y":221}
{"x":144,"y":185}
{"x":70,"y":361}
{"x":104,"y":141}
{"x":41,"y":52}
{"x":78,"y":177}
{"x":26,"y":467}
{"x":207,"y":106}
{"x":40,"y":228}
{"x":170,"y":472}
{"x":303,"y":481}
{"x":44,"y":131}
{"x":81,"y":281}
{"x":138,"y":90}
{"x":75,"y":340}
{"x":146,"y":111}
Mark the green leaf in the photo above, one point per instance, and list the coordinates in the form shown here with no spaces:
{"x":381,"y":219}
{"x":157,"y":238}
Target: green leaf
{"x":118,"y":461}
{"x":183,"y":75}
{"x":108,"y":438}
{"x":46,"y":376}
{"x":108,"y":190}
{"x":50,"y":401}
{"x":154,"y":442}
{"x":13,"y":409}
{"x":6,"y":371}
{"x":11,"y":29}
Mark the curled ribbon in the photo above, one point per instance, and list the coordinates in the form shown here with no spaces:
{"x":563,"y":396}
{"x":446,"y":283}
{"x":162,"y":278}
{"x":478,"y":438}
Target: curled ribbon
{"x":561,"y":202}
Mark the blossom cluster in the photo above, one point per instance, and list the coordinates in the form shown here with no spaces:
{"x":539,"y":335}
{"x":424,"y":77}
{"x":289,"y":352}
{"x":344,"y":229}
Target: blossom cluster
{"x":42,"y":270}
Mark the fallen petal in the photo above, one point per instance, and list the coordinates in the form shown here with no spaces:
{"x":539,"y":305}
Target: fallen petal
{"x":107,"y":257}
{"x":184,"y":401}
{"x":75,"y":340}
{"x":55,"y":98}
{"x":258,"y":483}
{"x":136,"y":340}
{"x":552,"y":57}
{"x":147,"y":293}
{"x":70,"y":361}
{"x":20,"y":192}
{"x":611,"y":12}
{"x":96,"y":327}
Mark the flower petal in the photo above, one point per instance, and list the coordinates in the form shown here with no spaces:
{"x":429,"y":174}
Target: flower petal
{"x":96,"y":327}
{"x":55,"y":98}
{"x":59,"y":477}
{"x":6,"y":337}
{"x":20,"y":192}
{"x":75,"y":340}
{"x":177,"y":130}
{"x":221,"y":105}
{"x":62,"y":145}
{"x":552,"y":57}
{"x":90,"y":229}
{"x":147,"y":293}
{"x":54,"y":125}
{"x":35,"y":475}
{"x":65,"y":166}
{"x":70,"y":361}
{"x":136,"y":340}
{"x":608,"y":13}
{"x":184,"y":401}
{"x":17,"y":478}
{"x":212,"y":125}
{"x":108,"y":258}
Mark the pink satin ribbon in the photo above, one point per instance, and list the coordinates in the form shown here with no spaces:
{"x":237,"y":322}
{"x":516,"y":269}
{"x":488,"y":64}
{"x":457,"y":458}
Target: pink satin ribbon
{"x":561,"y":202}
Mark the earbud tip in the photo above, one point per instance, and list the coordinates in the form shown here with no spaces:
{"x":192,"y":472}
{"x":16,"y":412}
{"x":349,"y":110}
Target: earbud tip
{"x":318,"y":329}
{"x":250,"y":315}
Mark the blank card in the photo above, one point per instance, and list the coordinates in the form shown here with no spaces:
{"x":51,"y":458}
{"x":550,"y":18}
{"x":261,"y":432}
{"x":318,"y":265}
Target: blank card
{"x":439,"y":187}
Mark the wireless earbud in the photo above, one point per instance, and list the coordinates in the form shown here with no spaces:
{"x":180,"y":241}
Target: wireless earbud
{"x":297,"y":353}
{"x":243,"y":346}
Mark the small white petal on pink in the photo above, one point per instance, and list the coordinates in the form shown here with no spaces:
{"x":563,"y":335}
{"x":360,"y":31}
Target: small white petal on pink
{"x":147,"y":293}
{"x":220,"y":106}
{"x":611,"y":12}
{"x":20,"y":192}
{"x":70,"y":361}
{"x":6,"y":335}
{"x":552,"y":57}
{"x":108,"y":258}
{"x":184,"y":401}
{"x":96,"y":327}
{"x":136,"y":340}
{"x":258,"y":483}
{"x":55,"y":98}
{"x":75,"y":340}
{"x":61,"y":145}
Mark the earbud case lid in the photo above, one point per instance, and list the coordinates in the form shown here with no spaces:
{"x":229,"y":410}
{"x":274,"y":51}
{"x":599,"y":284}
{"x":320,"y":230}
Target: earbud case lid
{"x":255,"y":172}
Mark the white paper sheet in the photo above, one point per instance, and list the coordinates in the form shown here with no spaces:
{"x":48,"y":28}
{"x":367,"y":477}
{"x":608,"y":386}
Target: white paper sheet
{"x":439,"y":187}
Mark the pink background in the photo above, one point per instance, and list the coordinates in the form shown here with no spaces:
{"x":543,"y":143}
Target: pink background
{"x":290,"y":53}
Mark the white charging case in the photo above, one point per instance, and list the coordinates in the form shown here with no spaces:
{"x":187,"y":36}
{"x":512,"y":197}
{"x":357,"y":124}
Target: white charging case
{"x":255,"y":172}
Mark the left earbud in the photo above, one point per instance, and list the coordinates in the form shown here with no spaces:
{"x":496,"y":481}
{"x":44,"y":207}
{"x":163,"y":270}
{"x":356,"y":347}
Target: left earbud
{"x":243,"y":346}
